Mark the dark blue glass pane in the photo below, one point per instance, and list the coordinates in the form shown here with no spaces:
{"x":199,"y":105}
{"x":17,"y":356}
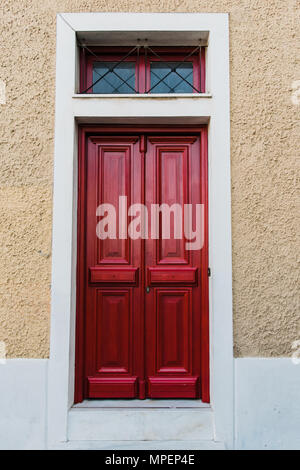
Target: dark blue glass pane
{"x":115,"y":78}
{"x":164,"y":78}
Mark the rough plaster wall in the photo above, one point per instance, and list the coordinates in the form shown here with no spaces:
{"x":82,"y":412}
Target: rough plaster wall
{"x":265,"y":145}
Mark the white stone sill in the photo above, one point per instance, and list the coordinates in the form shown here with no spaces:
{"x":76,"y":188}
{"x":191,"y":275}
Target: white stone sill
{"x":137,"y":404}
{"x":195,"y":96}
{"x":140,"y":445}
{"x":140,"y":424}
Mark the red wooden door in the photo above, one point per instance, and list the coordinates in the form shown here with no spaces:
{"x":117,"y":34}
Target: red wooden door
{"x":113,"y":290}
{"x":142,"y":328}
{"x":173,"y":313}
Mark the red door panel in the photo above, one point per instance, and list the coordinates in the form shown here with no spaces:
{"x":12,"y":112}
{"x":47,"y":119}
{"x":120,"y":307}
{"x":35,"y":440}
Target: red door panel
{"x":172,"y":313}
{"x":142,"y":305}
{"x":173,"y":330}
{"x":113,"y":265}
{"x":113,"y":331}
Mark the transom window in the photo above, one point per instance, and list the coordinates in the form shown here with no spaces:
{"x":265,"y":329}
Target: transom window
{"x":142,"y":69}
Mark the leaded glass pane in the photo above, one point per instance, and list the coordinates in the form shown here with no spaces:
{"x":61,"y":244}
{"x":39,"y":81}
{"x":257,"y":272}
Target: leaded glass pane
{"x":171,"y":77}
{"x":116,"y":78}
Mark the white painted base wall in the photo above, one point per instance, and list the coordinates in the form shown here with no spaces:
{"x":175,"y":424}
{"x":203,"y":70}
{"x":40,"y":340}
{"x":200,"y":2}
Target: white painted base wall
{"x":23,"y":388}
{"x":267,"y":408}
{"x":267,"y":404}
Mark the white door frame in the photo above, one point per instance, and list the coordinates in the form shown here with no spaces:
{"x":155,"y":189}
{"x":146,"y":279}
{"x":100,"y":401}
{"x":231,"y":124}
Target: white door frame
{"x":71,"y":108}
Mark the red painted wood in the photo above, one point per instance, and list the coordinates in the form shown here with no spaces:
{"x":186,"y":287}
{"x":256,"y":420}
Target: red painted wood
{"x":188,"y":387}
{"x":186,"y":276}
{"x":81,"y":272}
{"x":114,"y":275}
{"x":111,"y":314}
{"x":112,"y":387}
{"x":169,"y":55}
{"x":204,"y":280}
{"x":111,"y":56}
{"x":173,"y":313}
{"x":142,"y":61}
{"x":129,"y":343}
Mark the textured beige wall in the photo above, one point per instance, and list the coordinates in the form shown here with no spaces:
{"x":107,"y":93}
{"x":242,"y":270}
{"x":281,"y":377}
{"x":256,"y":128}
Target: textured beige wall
{"x":264,"y":42}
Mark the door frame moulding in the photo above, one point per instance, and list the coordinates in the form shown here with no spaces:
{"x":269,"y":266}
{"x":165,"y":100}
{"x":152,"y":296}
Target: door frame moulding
{"x":71,"y":109}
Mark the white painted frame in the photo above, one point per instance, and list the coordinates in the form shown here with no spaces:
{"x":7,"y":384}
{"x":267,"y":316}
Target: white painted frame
{"x":213,"y":108}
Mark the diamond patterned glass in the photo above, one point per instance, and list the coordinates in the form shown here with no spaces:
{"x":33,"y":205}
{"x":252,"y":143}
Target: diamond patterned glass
{"x":117,"y":78}
{"x":168,"y":77}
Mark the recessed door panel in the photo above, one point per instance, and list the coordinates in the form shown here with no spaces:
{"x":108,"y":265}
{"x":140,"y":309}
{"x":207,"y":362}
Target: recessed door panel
{"x":173,"y":325}
{"x":172,"y":173}
{"x":113,"y":330}
{"x":113,"y":171}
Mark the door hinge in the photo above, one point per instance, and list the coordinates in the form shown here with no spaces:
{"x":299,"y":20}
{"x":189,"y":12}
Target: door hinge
{"x":208,"y":272}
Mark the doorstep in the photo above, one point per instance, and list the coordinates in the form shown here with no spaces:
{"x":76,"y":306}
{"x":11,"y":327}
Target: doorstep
{"x":141,"y":445}
{"x":119,"y":421}
{"x":148,"y":403}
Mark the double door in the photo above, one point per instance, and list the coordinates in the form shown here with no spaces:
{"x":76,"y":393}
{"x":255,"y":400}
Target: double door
{"x":142,"y":279}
